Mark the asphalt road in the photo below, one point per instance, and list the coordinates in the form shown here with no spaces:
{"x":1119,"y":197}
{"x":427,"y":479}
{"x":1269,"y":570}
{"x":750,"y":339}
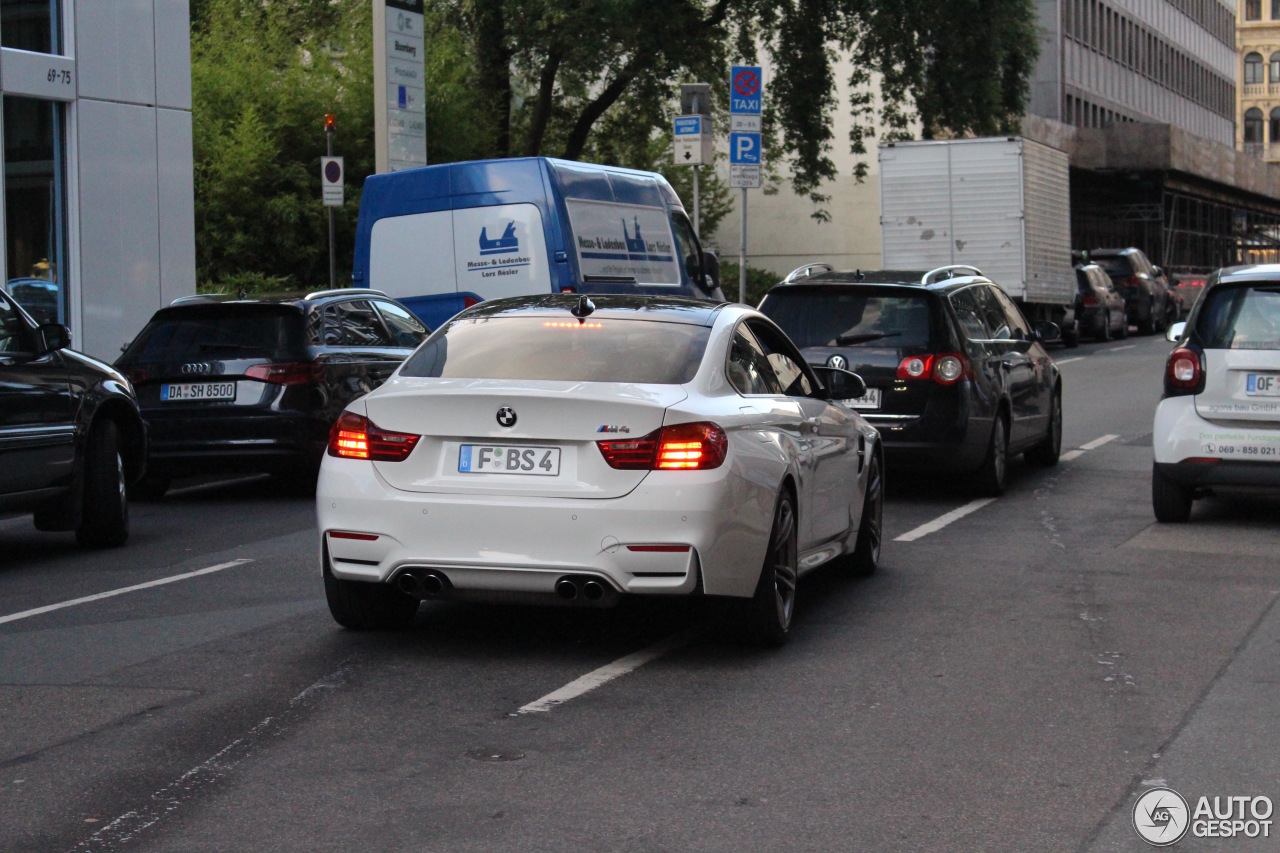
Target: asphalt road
{"x":1012,"y":680}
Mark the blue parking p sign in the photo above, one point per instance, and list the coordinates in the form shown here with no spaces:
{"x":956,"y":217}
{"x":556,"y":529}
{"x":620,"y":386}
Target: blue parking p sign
{"x":744,"y":148}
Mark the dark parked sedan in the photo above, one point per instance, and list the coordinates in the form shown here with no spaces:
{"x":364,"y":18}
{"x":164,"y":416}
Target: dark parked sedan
{"x":254,"y":384}
{"x":71,"y":436}
{"x":1099,"y":308}
{"x":1143,"y":286}
{"x":957,"y":380}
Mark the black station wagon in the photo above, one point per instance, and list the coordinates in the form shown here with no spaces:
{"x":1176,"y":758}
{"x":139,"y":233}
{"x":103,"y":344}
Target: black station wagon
{"x":957,"y":379}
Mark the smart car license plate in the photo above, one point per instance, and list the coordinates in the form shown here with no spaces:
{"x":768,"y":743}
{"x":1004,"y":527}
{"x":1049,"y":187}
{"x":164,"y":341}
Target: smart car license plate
{"x":502,"y":459}
{"x":190,"y":391}
{"x":869,"y":400}
{"x":1262,"y":384}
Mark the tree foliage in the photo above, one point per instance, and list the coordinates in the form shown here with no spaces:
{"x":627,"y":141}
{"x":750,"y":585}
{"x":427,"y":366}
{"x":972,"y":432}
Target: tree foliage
{"x":580,"y":79}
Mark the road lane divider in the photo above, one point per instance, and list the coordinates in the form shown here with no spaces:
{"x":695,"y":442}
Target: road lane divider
{"x":1063,"y":361}
{"x":605,"y":674}
{"x":1082,"y":449}
{"x":1121,"y":349}
{"x":111,"y":593}
{"x":943,"y":520}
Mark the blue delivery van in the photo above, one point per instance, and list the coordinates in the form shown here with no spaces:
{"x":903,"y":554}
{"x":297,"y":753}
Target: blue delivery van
{"x":442,"y":238}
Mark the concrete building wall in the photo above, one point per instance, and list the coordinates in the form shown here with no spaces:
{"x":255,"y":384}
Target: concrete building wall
{"x":121,"y":172}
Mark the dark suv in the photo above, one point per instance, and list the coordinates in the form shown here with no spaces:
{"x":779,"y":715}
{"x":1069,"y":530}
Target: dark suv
{"x":71,"y":437}
{"x":254,"y":384}
{"x":1146,"y":296}
{"x":957,"y":380}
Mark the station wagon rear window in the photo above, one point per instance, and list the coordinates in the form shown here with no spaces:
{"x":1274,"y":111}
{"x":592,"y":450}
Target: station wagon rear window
{"x":1241,"y":318}
{"x":827,"y":318}
{"x":218,"y":332}
{"x":558,"y":347}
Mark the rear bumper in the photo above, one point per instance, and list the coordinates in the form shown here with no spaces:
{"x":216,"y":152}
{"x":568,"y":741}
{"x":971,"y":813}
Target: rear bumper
{"x":244,"y":441}
{"x":502,"y":544}
{"x":944,"y":438}
{"x":1222,"y":473}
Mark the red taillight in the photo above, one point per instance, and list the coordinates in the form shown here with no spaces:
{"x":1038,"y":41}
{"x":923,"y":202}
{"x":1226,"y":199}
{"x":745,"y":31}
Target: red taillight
{"x":659,"y":549}
{"x":1132,"y":281}
{"x":682,"y":447}
{"x":915,"y":367}
{"x":1090,"y":300}
{"x":468,"y":301}
{"x":359,"y":537}
{"x":356,"y":437}
{"x":946,"y":368}
{"x":568,"y":288}
{"x":136,"y":375}
{"x":1183,"y":371}
{"x":285,"y":373}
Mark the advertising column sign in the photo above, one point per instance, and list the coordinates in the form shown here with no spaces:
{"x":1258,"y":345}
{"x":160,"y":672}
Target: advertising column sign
{"x":400,"y":115}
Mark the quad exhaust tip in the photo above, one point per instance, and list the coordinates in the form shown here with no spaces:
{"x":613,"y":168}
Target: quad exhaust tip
{"x":581,"y":589}
{"x":566,"y":589}
{"x":422,"y":584}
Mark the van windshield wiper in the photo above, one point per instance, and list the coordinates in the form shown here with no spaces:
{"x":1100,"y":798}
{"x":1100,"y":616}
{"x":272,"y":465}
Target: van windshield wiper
{"x":847,"y":340}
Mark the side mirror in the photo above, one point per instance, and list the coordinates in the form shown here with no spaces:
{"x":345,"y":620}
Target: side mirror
{"x":1046,"y":332}
{"x":841,"y":384}
{"x":1174,"y":334}
{"x":53,"y":336}
{"x":711,"y":268}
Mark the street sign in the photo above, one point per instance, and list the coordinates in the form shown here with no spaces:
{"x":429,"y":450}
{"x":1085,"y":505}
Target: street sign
{"x":688,"y":136}
{"x":746,"y":89}
{"x":331,"y":180}
{"x":747,"y":177}
{"x":744,"y":123}
{"x":744,"y":148}
{"x":400,"y":107}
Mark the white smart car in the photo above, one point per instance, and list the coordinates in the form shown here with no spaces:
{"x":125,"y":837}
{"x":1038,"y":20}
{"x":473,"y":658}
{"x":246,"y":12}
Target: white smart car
{"x":1219,"y":422}
{"x":557,"y":450}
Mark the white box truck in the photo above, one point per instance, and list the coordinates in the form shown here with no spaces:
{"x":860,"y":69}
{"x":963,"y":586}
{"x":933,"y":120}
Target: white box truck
{"x":999,"y":204}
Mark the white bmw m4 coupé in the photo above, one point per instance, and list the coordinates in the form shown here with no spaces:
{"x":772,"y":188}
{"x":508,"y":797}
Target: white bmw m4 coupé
{"x":566,"y":450}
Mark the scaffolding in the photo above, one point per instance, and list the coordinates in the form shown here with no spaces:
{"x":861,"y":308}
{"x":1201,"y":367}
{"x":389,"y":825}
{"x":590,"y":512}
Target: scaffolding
{"x":1181,"y":226}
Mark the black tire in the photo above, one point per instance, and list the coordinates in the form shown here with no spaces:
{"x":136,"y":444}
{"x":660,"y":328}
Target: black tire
{"x":150,"y":488}
{"x":1148,"y":326}
{"x":1171,"y":501}
{"x":104,"y":516}
{"x":1046,"y":453}
{"x":994,"y":470}
{"x":1071,"y":337}
{"x":1124,"y":329}
{"x":866,"y":552}
{"x":364,"y":606}
{"x":1106,"y":328}
{"x":771,"y":609}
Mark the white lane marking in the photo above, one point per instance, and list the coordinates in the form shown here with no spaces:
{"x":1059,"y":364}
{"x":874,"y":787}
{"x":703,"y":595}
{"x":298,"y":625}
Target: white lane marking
{"x":943,"y":520}
{"x":216,"y":484}
{"x":1122,"y":349}
{"x":1063,"y":361}
{"x":1070,"y":455}
{"x":1098,"y":442}
{"x":128,"y":826}
{"x":36,"y":611}
{"x":606,"y":673}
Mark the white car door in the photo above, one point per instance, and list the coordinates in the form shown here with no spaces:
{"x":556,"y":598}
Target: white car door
{"x":829,"y":437}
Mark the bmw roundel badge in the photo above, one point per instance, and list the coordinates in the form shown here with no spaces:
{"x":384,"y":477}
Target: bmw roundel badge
{"x":506,"y":416}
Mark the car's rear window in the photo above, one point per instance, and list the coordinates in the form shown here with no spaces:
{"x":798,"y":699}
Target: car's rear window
{"x":559,"y":347}
{"x":1241,"y":318}
{"x":832,"y":318}
{"x":1117,"y":266}
{"x":219,"y":332}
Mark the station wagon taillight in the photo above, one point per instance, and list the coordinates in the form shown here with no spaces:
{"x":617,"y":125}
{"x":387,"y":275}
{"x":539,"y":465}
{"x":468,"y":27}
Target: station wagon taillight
{"x":1183,"y":373}
{"x":286,"y":373}
{"x":946,"y":368}
{"x":680,"y":447}
{"x":356,"y":437}
{"x":1090,"y":300}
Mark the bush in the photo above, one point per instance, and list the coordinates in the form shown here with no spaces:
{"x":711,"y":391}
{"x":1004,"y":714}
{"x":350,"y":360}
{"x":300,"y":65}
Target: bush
{"x":758,"y":281}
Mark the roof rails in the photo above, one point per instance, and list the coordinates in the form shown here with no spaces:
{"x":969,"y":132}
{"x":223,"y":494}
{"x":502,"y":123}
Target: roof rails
{"x":807,"y":271}
{"x":950,"y":271}
{"x":195,"y":298}
{"x":343,"y":290}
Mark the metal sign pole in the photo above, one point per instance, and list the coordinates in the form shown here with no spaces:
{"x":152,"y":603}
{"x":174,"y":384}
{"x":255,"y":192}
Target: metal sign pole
{"x":697,"y":217}
{"x":333,"y":259}
{"x":742,"y":253}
